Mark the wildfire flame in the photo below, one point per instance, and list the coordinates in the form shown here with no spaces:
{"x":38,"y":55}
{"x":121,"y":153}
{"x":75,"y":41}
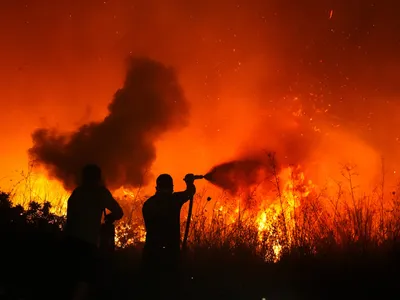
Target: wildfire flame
{"x":38,"y":188}
{"x":275,"y":213}
{"x":294,"y":188}
{"x":321,"y":94}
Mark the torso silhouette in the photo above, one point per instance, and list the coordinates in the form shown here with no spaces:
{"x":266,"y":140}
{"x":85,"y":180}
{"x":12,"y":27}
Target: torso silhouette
{"x":161,"y":214}
{"x":85,"y":208}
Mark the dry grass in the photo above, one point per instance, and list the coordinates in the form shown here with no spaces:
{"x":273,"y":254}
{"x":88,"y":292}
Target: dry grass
{"x":325,"y":234}
{"x":318,"y":223}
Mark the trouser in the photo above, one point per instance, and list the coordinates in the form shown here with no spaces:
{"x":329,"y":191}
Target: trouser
{"x":81,"y":263}
{"x":105,"y":276}
{"x":161,"y":273}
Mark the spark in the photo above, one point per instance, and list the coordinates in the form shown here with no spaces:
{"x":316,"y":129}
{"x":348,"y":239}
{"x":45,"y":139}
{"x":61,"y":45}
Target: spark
{"x":331,"y":14}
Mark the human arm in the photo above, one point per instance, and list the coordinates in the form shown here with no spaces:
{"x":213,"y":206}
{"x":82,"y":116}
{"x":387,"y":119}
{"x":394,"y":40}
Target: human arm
{"x":190,"y":191}
{"x":70,"y":203}
{"x":70,"y":209}
{"x":112,"y":205}
{"x":150,"y":214}
{"x":75,"y":206}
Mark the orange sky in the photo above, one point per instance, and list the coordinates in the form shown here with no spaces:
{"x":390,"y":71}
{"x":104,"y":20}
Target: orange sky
{"x":239,"y":62}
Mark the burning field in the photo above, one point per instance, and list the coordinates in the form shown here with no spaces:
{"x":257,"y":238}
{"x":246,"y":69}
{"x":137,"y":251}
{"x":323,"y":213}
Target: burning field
{"x":291,"y":109}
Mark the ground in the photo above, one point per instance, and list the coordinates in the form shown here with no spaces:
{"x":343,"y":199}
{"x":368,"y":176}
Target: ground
{"x":36,"y":273}
{"x":33,"y":267}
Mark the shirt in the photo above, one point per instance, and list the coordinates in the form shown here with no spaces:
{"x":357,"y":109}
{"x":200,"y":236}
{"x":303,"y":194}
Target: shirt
{"x":161,"y":214}
{"x":85,"y":207}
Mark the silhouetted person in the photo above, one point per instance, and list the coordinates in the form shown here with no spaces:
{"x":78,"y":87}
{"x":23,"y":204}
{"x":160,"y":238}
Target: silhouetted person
{"x":161,"y":253}
{"x":84,"y":213}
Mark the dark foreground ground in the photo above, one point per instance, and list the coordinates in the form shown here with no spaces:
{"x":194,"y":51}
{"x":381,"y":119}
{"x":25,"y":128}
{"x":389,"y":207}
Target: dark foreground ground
{"x":32,"y":268}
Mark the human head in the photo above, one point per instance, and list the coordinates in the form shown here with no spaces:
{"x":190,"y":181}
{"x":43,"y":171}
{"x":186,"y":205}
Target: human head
{"x":165,"y":183}
{"x":91,"y":174}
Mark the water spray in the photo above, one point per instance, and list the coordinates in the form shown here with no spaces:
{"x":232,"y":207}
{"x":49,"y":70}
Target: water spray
{"x":229,"y":176}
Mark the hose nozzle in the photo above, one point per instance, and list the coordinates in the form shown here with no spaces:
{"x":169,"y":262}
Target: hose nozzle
{"x":196,"y":177}
{"x":191,"y":177}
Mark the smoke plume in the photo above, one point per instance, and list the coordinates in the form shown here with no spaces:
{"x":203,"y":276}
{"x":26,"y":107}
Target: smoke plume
{"x":150,"y":103}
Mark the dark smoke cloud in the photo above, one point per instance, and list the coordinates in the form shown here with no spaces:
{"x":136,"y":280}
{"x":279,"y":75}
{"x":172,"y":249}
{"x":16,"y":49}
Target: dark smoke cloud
{"x":150,"y":103}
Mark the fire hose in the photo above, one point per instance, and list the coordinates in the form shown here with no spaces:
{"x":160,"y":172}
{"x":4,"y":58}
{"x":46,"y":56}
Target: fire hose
{"x":189,"y":217}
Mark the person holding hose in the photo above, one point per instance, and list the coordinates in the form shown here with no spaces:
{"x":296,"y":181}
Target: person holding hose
{"x":161,"y":253}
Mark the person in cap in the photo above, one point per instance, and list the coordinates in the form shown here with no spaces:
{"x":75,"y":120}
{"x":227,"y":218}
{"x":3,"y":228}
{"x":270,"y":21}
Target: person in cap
{"x":161,"y":252}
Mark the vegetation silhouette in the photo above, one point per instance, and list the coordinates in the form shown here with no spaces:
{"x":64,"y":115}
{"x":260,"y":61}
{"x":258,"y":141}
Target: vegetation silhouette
{"x":223,"y":261}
